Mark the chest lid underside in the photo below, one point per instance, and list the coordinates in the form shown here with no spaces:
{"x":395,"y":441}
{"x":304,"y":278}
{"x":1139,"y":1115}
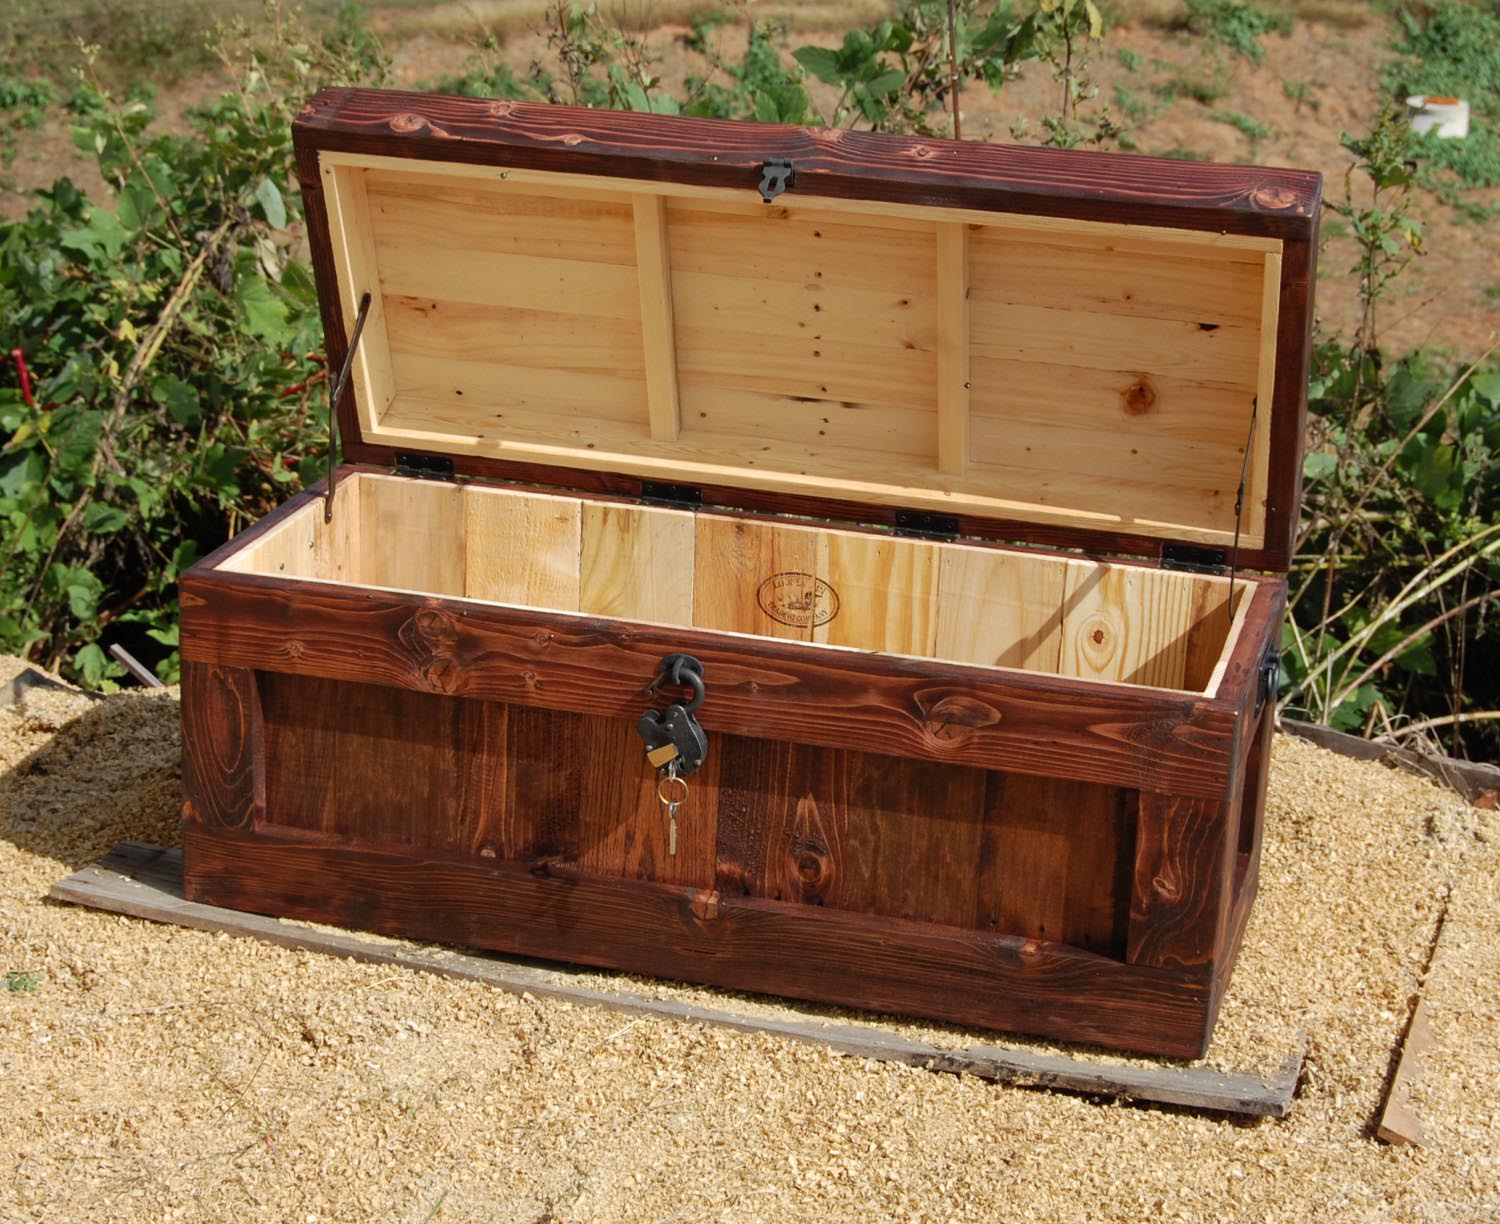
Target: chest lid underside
{"x":1069,"y":347}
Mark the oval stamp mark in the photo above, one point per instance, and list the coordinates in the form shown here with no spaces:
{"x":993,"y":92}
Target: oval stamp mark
{"x":797,"y":599}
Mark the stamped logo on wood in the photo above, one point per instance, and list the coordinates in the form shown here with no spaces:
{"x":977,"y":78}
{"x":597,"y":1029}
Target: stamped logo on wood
{"x":797,"y":599}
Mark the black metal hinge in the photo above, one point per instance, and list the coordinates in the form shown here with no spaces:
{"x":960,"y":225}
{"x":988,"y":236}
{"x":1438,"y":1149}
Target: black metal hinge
{"x":1194,"y":559}
{"x":678,"y":497}
{"x":424,"y":467}
{"x":926,"y":525}
{"x":775,"y":177}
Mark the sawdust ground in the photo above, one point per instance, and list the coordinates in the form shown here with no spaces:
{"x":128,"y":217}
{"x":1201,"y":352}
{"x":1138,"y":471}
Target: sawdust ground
{"x":163,"y":1074}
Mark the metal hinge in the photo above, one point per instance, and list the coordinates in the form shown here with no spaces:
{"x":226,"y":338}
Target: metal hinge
{"x":424,"y":467}
{"x":1194,"y":559}
{"x":775,"y":177}
{"x":679,"y":497}
{"x":926,"y":525}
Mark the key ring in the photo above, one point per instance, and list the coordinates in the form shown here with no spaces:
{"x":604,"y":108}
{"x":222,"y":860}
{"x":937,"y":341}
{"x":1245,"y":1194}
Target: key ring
{"x":663,"y":785}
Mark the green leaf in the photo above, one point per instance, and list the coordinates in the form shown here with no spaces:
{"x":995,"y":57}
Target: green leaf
{"x":93,"y":665}
{"x":264,"y":313}
{"x":21,"y":474}
{"x":1488,"y":385}
{"x":886,"y":83}
{"x":1319,"y":464}
{"x":100,"y":519}
{"x":179,"y":399}
{"x":821,"y":62}
{"x":268,"y":196}
{"x":102,"y":238}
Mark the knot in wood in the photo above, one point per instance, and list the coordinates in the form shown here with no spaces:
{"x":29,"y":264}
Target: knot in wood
{"x":1140,"y":397}
{"x":407,"y":122}
{"x":704,"y":906}
{"x":954,"y":717}
{"x":501,"y":109}
{"x":1273,"y":197}
{"x":431,"y":637}
{"x":572,"y":138}
{"x":814,"y":869}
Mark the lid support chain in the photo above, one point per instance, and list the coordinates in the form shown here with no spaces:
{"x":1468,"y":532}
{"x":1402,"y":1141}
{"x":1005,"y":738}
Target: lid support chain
{"x":336,"y":393}
{"x":1239,"y":505}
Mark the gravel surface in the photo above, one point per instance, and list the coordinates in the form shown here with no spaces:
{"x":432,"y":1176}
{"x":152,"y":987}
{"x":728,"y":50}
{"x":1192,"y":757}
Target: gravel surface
{"x":154,"y":1073}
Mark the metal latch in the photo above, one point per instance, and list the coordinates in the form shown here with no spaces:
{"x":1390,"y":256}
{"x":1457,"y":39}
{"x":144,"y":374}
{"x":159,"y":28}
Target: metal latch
{"x":775,"y":177}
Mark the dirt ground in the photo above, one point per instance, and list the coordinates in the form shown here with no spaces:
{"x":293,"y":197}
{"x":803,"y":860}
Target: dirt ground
{"x":157,"y":1074}
{"x":1315,"y":83}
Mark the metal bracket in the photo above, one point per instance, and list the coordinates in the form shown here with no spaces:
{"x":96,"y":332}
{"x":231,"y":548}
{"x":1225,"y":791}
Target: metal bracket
{"x":775,"y":177}
{"x":424,"y":467}
{"x":336,"y":393}
{"x":1194,"y":559}
{"x":676,"y":496}
{"x":926,"y":525}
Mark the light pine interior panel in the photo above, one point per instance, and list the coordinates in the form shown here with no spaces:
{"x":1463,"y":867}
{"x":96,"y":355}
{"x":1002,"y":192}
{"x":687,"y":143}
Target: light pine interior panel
{"x":521,"y":549}
{"x":751,"y":577}
{"x":501,"y":301}
{"x":636,"y":562}
{"x":999,"y":609}
{"x":812,"y":330}
{"x":411,"y":535}
{"x":1158,"y":352}
{"x":887,"y":590}
{"x":794,"y":581}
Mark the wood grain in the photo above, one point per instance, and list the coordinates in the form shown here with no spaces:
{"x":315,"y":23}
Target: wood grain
{"x":637,"y":562}
{"x":749,"y":364}
{"x":856,"y":960}
{"x":520,"y":548}
{"x":223,"y":753}
{"x":1149,"y":739}
{"x":1180,"y":885}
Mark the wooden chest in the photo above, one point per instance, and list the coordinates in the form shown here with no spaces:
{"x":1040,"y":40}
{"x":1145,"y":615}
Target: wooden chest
{"x":802,"y":404}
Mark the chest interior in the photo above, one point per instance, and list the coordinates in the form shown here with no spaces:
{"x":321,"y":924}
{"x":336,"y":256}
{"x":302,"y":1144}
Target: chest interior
{"x":800,"y":581}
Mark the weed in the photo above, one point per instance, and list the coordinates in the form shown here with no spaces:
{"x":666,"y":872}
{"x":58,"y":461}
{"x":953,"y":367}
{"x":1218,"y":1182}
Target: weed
{"x":23,"y":981}
{"x":1131,"y":104}
{"x":1129,"y":60}
{"x":1252,"y":128}
{"x":1299,"y":93}
{"x":1181,"y":154}
{"x":1236,"y":25}
{"x":1492,"y":292}
{"x":1199,"y":85}
{"x":23,"y":105}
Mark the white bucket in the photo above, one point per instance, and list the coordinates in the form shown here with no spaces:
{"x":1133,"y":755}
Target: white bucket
{"x":1448,"y":117}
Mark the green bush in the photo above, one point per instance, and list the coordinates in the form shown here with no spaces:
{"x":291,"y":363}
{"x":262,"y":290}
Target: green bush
{"x":171,"y":342}
{"x":1236,"y":25}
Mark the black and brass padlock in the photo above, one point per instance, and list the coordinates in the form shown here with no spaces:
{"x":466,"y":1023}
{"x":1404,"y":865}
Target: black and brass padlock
{"x":674,"y":734}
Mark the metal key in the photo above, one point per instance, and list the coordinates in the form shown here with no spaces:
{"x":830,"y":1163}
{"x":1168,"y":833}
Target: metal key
{"x":672,"y":790}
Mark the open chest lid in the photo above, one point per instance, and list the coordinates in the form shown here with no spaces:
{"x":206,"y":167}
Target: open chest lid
{"x":1075,"y":348}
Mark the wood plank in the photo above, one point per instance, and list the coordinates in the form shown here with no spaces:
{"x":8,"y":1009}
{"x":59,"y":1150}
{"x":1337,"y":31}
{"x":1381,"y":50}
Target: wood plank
{"x":1056,"y":860}
{"x":1399,"y":1123}
{"x":637,"y":563}
{"x":146,"y":882}
{"x":654,"y":268}
{"x":852,"y":831}
{"x":1000,"y":609}
{"x":411,"y":535}
{"x":963,"y":715}
{"x":756,"y":577}
{"x":360,"y":266}
{"x":223,"y":753}
{"x":1180,"y":888}
{"x":521,"y":548}
{"x":304,"y":750}
{"x":803,"y":951}
{"x":1128,"y":624}
{"x":953,"y":348}
{"x":887,"y":590}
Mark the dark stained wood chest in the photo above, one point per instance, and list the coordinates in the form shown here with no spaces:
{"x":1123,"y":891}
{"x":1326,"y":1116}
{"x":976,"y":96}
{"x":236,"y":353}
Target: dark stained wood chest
{"x":939,"y":461}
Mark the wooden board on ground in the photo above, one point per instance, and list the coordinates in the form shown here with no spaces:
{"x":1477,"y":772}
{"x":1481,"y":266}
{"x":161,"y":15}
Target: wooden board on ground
{"x":145,"y":882}
{"x":1398,"y":1124}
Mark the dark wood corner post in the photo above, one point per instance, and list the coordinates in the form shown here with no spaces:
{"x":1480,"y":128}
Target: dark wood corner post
{"x":223,"y":757}
{"x":1177,"y":894}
